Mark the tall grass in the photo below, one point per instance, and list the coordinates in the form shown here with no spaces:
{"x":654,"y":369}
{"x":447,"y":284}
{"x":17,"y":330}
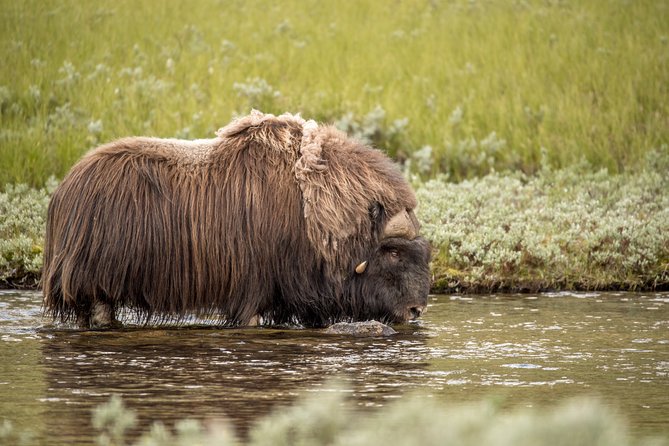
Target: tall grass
{"x":483,"y":83}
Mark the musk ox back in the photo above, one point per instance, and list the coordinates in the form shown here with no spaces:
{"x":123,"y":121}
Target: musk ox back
{"x":276,"y":219}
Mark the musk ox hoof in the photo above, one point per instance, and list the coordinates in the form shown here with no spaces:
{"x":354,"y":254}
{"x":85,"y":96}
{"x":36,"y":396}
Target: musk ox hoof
{"x":106,"y":325}
{"x":368,"y":328}
{"x":97,"y":324}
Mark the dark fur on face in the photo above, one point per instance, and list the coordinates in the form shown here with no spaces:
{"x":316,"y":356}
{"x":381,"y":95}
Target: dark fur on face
{"x":395,"y":284}
{"x":265,"y":220}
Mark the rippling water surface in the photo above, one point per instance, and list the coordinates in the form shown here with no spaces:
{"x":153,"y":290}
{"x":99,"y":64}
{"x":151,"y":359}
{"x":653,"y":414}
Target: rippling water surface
{"x":523,"y":350}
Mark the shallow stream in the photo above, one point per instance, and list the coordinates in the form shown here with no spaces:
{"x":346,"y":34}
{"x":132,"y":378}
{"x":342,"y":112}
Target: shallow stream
{"x":522,"y":350}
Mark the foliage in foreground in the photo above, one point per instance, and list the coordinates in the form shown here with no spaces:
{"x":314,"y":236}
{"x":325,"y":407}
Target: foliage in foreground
{"x":482,"y":84}
{"x":329,"y":419}
{"x":572,"y":228}
{"x":22,"y":227}
{"x":565,"y":229}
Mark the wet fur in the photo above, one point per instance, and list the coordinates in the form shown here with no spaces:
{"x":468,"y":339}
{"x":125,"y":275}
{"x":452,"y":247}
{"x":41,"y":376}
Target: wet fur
{"x":269,"y":218}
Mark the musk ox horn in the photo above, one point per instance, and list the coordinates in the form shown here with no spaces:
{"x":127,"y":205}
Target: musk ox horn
{"x":403,"y":224}
{"x":361,"y":267}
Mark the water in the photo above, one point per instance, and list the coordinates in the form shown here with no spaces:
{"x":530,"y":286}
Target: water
{"x":522,"y":350}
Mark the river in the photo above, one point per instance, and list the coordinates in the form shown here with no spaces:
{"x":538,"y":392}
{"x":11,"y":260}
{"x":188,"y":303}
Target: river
{"x":523,"y":350}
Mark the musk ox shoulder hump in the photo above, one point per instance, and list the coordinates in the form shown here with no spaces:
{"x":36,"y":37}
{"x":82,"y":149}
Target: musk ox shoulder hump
{"x":281,"y":133}
{"x":340,"y":179}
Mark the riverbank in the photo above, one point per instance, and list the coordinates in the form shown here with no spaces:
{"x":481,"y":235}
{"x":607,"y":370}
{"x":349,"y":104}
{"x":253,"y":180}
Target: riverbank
{"x":566,"y":229}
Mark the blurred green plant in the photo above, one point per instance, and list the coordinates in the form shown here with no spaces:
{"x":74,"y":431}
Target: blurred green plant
{"x":373,"y":129}
{"x":113,"y":419}
{"x":10,"y":435}
{"x":257,"y":94}
{"x":330,"y":419}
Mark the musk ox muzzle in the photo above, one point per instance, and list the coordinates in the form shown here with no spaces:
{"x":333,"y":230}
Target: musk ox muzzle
{"x":276,"y":219}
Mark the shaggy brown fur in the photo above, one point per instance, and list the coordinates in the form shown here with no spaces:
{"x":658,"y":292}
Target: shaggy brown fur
{"x":269,"y":218}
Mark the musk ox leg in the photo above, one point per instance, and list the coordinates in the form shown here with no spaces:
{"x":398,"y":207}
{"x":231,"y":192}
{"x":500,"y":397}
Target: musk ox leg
{"x":100,"y":315}
{"x":255,"y":321}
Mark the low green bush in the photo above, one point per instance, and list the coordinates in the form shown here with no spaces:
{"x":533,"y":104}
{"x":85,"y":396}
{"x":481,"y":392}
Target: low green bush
{"x":22,"y":226}
{"x":572,"y":228}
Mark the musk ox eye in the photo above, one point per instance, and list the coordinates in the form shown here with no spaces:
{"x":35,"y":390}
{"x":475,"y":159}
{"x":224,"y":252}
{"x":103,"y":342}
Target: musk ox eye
{"x":394,"y":254}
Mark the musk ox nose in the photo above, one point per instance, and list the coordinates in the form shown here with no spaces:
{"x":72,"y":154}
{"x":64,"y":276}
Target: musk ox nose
{"x":415,"y":312}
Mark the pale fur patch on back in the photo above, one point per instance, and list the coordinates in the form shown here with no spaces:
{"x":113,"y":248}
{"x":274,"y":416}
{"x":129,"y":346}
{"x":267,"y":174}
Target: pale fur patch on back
{"x":196,"y":151}
{"x":183,"y":151}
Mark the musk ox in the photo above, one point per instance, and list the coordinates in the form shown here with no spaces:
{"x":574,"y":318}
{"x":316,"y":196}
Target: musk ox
{"x":276,"y":219}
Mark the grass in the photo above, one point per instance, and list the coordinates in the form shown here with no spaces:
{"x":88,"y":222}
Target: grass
{"x":329,"y":419}
{"x":480,"y":84}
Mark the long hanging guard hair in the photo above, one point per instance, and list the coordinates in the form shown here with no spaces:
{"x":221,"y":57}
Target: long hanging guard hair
{"x":265,"y":219}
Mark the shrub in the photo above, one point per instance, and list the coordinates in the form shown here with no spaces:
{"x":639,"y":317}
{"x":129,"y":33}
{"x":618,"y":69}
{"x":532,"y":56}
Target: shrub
{"x":330,"y":419}
{"x":22,"y":226}
{"x":567,"y":228}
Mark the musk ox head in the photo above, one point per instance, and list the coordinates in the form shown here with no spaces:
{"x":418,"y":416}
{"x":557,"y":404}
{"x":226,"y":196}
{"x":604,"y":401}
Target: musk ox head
{"x":393,"y":285}
{"x":359,"y":208}
{"x":276,"y":217}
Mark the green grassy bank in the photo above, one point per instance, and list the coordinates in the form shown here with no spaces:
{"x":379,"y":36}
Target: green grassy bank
{"x":478,"y":84}
{"x":572,"y":228}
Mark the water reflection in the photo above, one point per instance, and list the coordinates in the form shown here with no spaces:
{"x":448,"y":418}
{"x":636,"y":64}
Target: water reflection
{"x":524,"y":350}
{"x":235,"y":374}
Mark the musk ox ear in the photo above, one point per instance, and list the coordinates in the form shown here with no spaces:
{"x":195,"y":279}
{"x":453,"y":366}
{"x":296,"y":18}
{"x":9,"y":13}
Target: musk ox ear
{"x":344,"y":185}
